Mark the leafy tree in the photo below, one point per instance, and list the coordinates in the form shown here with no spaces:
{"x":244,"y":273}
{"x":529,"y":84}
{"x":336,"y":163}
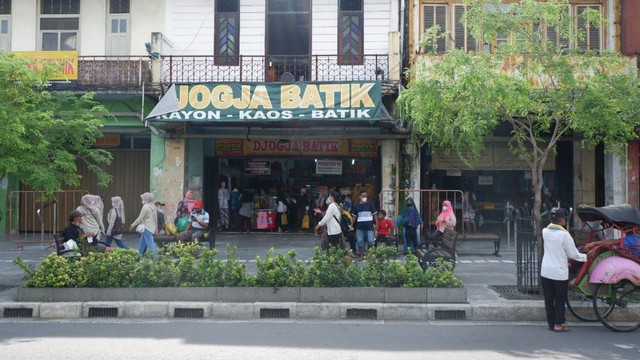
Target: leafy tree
{"x":44,"y":134}
{"x":542,"y":88}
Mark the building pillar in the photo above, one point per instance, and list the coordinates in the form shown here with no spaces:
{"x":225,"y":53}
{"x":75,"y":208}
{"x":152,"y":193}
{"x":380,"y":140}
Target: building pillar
{"x":410,"y":176}
{"x":167,"y":172}
{"x":633,"y":154}
{"x":389,"y":155}
{"x":584,"y":176}
{"x":615,"y":179}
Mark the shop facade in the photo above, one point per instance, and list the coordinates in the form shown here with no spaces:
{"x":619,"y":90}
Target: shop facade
{"x":271,"y":139}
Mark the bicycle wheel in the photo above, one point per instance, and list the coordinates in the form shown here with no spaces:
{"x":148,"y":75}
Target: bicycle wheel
{"x":624,"y":297}
{"x":580,"y":305}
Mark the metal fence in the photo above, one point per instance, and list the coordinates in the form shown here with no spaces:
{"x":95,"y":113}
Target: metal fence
{"x":113,"y":70}
{"x":526,"y":253}
{"x":207,"y":68}
{"x":33,"y":218}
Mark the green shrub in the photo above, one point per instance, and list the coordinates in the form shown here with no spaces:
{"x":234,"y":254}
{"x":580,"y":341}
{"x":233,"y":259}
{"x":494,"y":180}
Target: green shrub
{"x":280,"y":270}
{"x":188,"y":264}
{"x":53,"y":271}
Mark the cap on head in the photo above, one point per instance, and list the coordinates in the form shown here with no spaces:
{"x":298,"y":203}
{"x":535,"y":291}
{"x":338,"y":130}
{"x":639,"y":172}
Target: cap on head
{"x":159,"y":203}
{"x":74,"y":214}
{"x":197,"y":204}
{"x":409,"y":199}
{"x":559,"y":213}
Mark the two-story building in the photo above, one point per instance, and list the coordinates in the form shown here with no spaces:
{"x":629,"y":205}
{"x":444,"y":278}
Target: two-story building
{"x":576,"y":175}
{"x":264,"y":94}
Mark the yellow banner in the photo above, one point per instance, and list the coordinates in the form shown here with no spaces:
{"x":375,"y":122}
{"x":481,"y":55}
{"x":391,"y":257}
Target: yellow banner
{"x":67,"y":59}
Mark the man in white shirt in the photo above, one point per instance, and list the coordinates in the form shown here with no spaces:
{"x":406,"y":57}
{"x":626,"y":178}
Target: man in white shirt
{"x":198,"y":225}
{"x":554,"y":271}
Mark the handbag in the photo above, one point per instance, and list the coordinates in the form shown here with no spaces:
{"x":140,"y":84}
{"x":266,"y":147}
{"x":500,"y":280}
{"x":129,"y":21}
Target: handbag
{"x":140,"y":228}
{"x":118,"y":227}
{"x":284,"y":220}
{"x":305,"y":222}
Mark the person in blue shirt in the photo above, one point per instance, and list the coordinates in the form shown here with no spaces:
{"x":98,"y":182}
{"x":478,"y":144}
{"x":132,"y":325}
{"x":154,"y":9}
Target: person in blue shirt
{"x":364,"y":218}
{"x":631,"y":241}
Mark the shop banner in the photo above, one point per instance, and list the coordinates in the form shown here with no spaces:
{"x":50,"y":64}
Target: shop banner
{"x":329,"y":167}
{"x":215,"y":102}
{"x":496,"y":156}
{"x":257,"y":168}
{"x":68,"y":60}
{"x":354,"y":148}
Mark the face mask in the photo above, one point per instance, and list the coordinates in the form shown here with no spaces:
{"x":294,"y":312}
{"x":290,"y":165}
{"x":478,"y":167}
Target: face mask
{"x":409,"y":204}
{"x":364,"y":199}
{"x":328,"y":201}
{"x":444,"y":208}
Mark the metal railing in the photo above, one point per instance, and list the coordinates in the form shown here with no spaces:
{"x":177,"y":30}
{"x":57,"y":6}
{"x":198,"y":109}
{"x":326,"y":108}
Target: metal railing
{"x":204,"y":68}
{"x":429,"y":204}
{"x":113,"y":70}
{"x":32,"y":219}
{"x":526,"y":253}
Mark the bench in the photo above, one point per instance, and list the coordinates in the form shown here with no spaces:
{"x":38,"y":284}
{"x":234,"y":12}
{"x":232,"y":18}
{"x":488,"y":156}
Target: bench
{"x":64,"y":252}
{"x":446,"y":249}
{"x":166,"y":239}
{"x":493,"y":237}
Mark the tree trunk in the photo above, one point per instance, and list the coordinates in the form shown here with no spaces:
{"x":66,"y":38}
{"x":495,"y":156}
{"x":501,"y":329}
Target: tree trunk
{"x":538,"y":182}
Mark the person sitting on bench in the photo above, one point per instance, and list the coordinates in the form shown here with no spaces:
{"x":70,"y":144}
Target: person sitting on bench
{"x":74,"y":232}
{"x":198,"y":225}
{"x":446,"y":219}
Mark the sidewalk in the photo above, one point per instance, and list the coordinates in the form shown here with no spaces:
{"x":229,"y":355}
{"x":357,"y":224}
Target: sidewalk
{"x":476,"y":267}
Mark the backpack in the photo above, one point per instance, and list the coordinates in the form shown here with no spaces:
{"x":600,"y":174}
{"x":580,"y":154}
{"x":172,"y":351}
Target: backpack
{"x":345,"y":223}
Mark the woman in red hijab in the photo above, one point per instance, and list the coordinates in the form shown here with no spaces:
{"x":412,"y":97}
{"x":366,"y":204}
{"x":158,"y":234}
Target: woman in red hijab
{"x":446,"y":219}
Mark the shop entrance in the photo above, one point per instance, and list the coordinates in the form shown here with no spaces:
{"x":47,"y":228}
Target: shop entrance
{"x":266,"y":178}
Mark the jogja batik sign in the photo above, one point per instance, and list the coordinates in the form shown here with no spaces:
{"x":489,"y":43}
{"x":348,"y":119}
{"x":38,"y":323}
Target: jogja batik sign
{"x":216,"y":102}
{"x":297,"y":148}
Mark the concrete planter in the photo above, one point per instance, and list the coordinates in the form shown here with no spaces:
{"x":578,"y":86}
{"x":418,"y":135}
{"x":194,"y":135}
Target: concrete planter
{"x":247,"y":295}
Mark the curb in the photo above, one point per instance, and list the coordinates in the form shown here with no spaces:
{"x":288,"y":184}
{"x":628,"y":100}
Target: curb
{"x":281,"y":310}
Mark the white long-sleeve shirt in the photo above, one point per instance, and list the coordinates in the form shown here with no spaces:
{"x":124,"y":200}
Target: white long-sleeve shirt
{"x":333,"y":224}
{"x":558,"y":248}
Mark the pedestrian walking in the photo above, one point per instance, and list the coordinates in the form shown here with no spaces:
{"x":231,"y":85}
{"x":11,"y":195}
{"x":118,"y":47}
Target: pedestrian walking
{"x":149,"y":219}
{"x":91,"y":207}
{"x":554,"y":271}
{"x":115,"y":223}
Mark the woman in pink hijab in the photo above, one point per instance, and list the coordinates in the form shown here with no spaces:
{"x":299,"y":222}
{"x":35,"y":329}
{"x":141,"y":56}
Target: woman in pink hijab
{"x":446,"y":219}
{"x":185,"y":205}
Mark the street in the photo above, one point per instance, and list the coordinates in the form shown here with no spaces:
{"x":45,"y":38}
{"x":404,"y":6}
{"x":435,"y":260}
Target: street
{"x":204,"y":339}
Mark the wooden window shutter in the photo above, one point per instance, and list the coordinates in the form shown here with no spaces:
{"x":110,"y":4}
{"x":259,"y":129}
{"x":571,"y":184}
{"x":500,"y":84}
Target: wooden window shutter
{"x":436,"y":15}
{"x":462,"y":38}
{"x":555,"y":38}
{"x":592,"y":34}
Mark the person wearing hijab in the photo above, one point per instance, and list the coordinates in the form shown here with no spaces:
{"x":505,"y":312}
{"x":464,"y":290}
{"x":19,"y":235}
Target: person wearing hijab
{"x":446,"y":219}
{"x":223,"y":206}
{"x":149,"y":217}
{"x":117,"y":211}
{"x":411,"y":220}
{"x":91,"y":207}
{"x":185,"y":205}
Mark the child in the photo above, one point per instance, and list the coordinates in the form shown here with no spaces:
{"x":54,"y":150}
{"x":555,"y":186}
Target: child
{"x":183,"y":222}
{"x":385,"y":226}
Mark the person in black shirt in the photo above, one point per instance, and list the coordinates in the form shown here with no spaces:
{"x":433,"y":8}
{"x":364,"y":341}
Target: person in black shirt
{"x":364,"y":215}
{"x":75,"y":233}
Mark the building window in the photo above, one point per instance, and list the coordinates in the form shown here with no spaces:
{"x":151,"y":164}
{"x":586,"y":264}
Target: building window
{"x":227,"y":23}
{"x":59,"y":24}
{"x":591,"y":34}
{"x":5,"y":25}
{"x":119,"y":6}
{"x":461,"y":36}
{"x":435,"y":15}
{"x":350,"y":32}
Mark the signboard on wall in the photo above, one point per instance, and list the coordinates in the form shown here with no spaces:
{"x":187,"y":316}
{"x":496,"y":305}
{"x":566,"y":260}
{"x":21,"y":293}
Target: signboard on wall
{"x":257,"y":168}
{"x":496,"y":156}
{"x":353,"y":148}
{"x":329,"y":167}
{"x":234,"y":101}
{"x":67,"y":60}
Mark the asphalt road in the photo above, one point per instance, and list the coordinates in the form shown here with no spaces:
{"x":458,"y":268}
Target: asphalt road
{"x":370,"y":340}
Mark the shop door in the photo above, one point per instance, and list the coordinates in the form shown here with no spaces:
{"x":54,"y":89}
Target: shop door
{"x":288,"y":40}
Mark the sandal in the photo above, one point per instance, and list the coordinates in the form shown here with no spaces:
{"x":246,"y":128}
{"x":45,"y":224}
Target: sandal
{"x":561,"y":328}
